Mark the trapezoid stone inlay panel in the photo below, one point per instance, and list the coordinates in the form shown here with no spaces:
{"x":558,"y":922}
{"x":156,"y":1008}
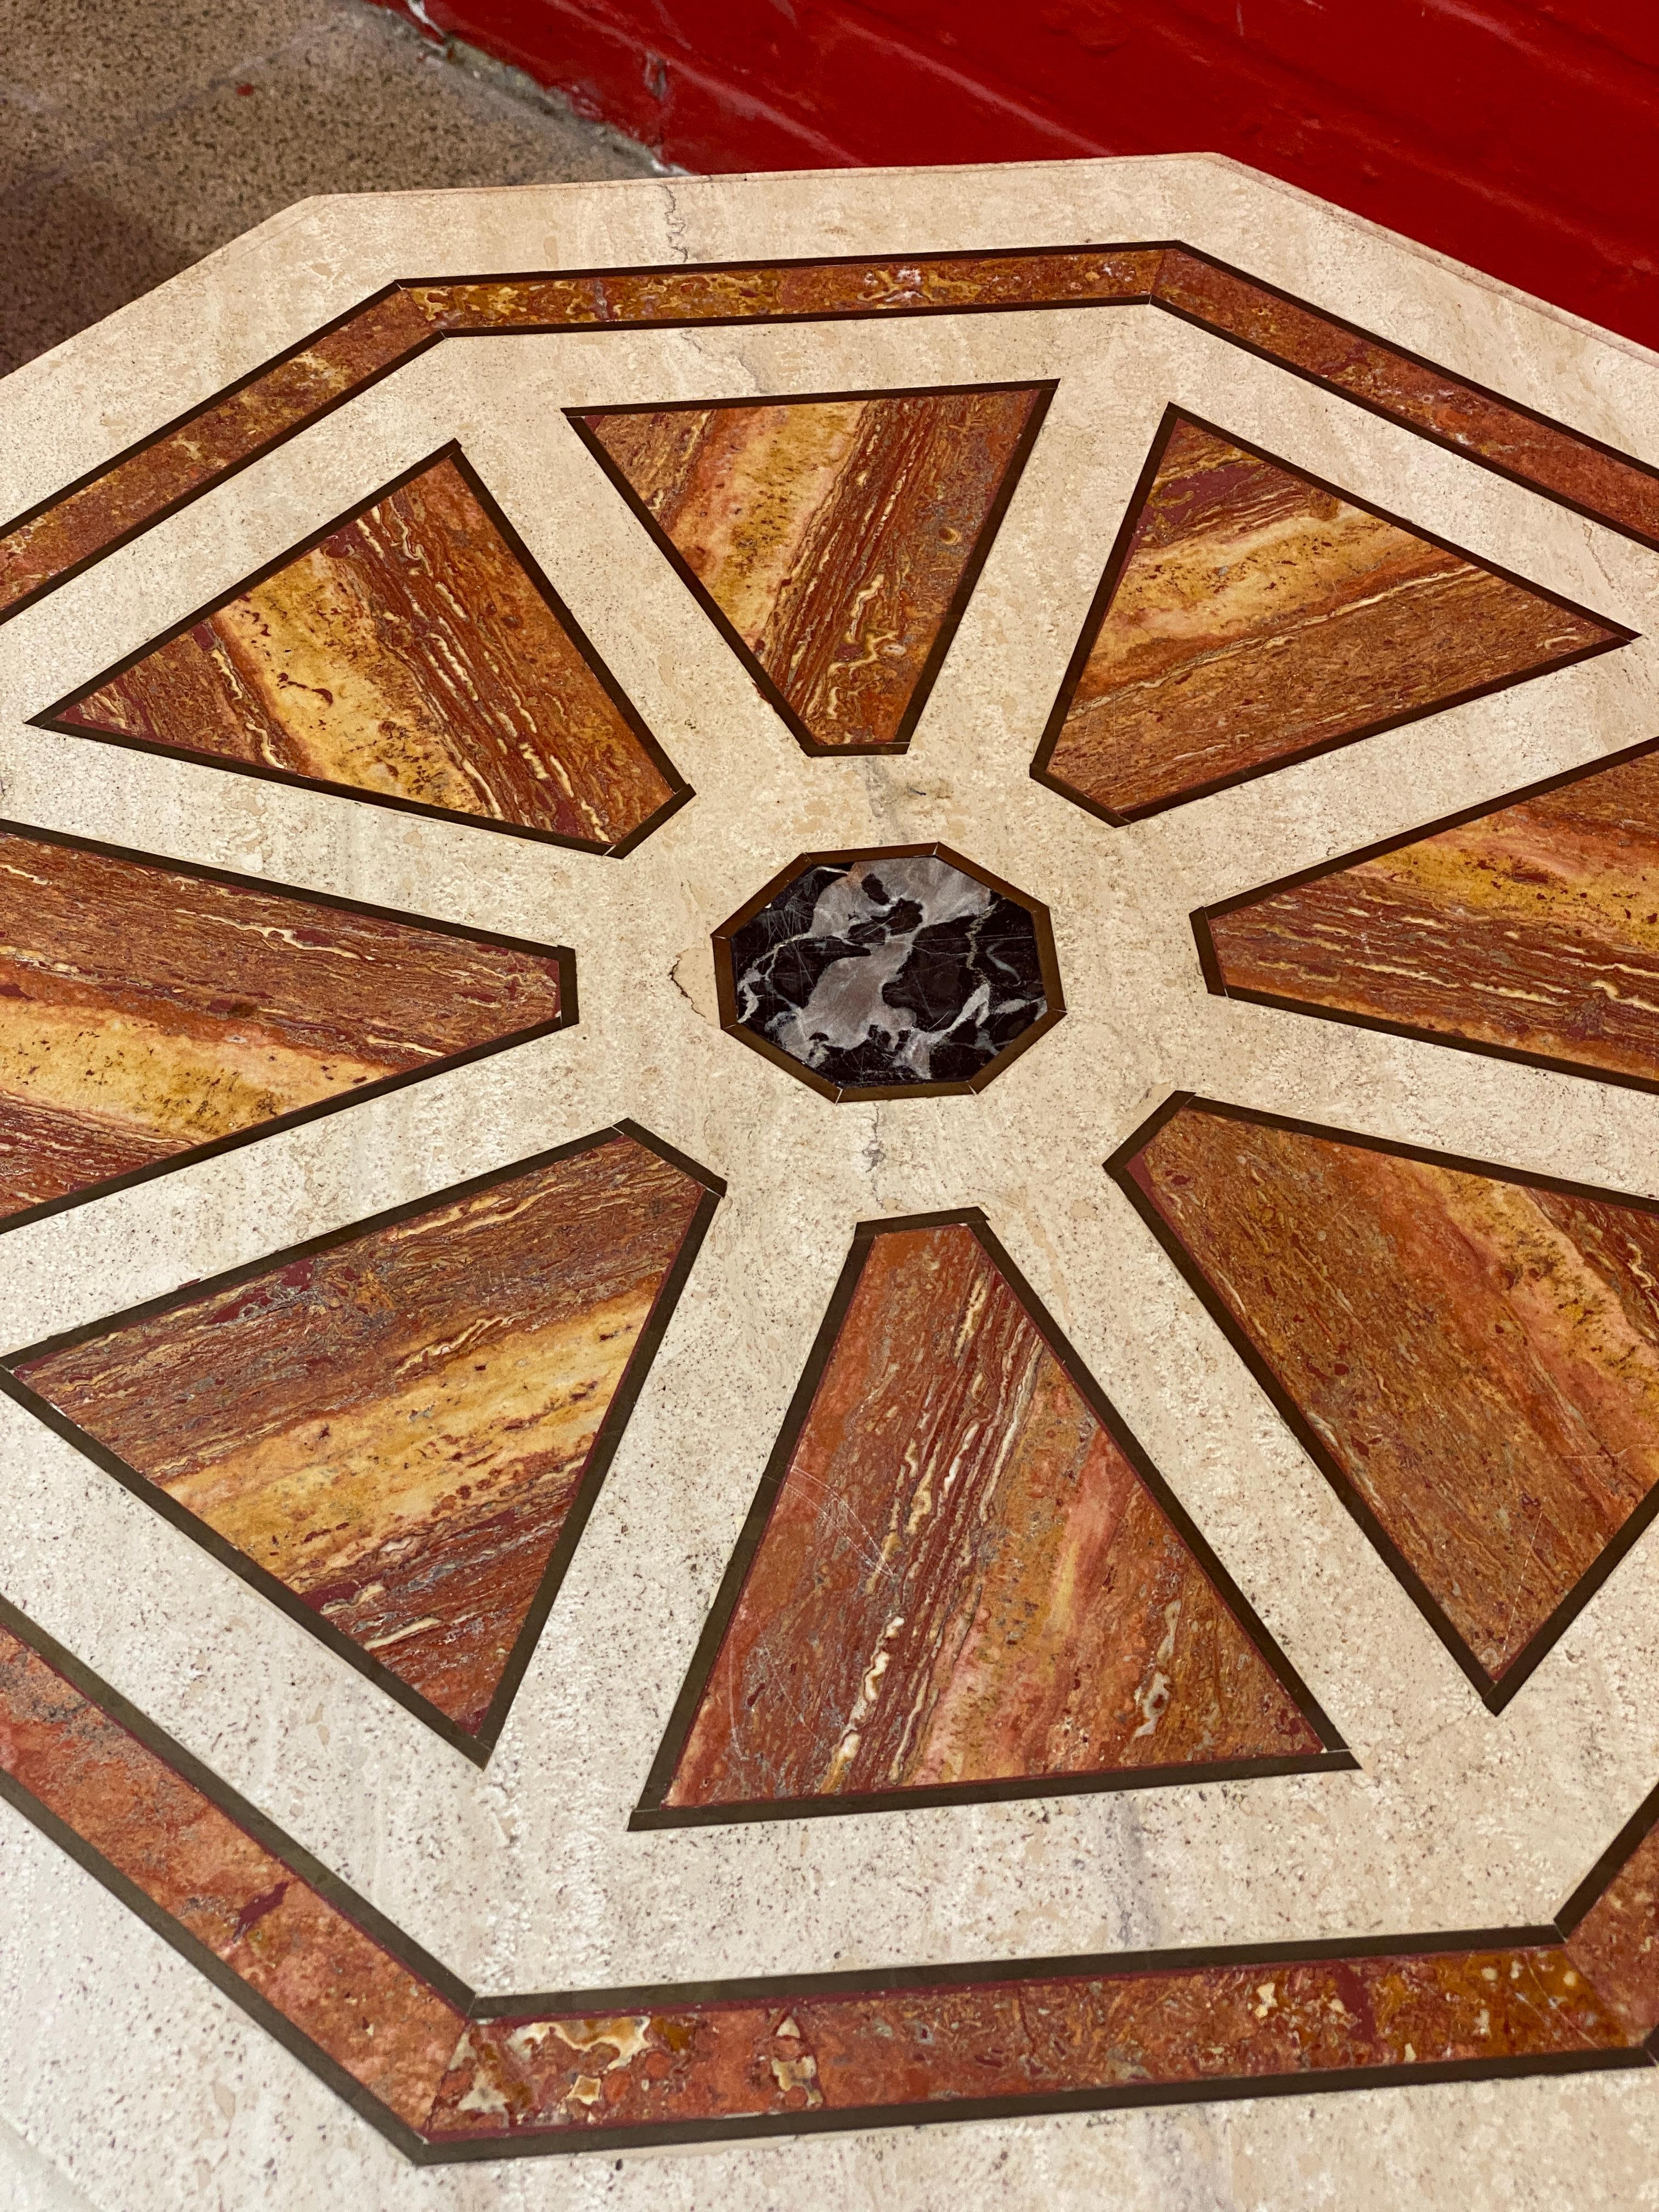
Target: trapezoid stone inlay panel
{"x":152,"y":1011}
{"x":834,"y":540}
{"x":1251,"y":615}
{"x":991,"y":2047}
{"x":963,"y":1578}
{"x":1469,"y":1355}
{"x":899,"y":972}
{"x":411,"y":653}
{"x":398,"y":1431}
{"x":1528,"y":928}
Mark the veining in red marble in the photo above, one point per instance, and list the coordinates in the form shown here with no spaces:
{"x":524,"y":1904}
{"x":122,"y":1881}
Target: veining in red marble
{"x":834,"y":539}
{"x":347,"y":1995}
{"x":395,"y":1431}
{"x":1616,"y":1944}
{"x":145,"y":1012}
{"x":582,"y":2078}
{"x":964,"y":1579}
{"x":1019,"y":2039}
{"x":1475,"y":1355}
{"x":413,"y":654}
{"x":52,"y":541}
{"x":1253,"y":616}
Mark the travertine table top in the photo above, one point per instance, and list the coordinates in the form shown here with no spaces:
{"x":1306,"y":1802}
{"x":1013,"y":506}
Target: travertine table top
{"x":828,"y":1023}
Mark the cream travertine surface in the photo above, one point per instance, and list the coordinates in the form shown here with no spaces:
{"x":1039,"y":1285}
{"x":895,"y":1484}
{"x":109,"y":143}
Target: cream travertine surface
{"x":525,"y":1876}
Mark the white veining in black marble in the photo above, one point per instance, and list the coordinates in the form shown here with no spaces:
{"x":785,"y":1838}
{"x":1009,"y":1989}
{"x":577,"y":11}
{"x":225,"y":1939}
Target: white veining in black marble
{"x":889,"y":971}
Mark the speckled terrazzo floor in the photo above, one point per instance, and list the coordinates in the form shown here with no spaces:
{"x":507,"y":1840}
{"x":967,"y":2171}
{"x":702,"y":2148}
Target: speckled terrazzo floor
{"x":135,"y":138}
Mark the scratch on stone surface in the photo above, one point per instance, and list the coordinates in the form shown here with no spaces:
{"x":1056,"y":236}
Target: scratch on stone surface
{"x":700,"y":1002}
{"x":674,"y":224}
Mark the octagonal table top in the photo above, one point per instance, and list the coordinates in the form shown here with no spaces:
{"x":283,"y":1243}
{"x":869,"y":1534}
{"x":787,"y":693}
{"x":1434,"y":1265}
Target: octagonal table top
{"x":828,"y":1032}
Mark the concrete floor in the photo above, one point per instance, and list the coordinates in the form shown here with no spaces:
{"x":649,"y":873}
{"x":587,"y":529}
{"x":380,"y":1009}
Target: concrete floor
{"x":137,"y":135}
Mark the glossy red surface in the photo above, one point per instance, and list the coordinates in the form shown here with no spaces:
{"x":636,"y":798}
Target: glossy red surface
{"x":1517,"y":137}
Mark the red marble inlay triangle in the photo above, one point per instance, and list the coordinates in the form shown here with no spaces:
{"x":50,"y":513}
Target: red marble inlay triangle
{"x":966,"y":1578}
{"x":1528,"y":928}
{"x":1472,"y":1357}
{"x":390,"y":1433}
{"x":834,"y":540}
{"x":1250,"y":616}
{"x":412,"y":654}
{"x":148,"y":1011}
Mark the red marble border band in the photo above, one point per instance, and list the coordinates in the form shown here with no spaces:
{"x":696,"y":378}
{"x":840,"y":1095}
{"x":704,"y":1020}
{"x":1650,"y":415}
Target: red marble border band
{"x":447,"y":2075}
{"x":65,"y":533}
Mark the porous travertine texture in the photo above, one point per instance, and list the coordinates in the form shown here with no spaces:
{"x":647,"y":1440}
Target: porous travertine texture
{"x":525,"y":1877}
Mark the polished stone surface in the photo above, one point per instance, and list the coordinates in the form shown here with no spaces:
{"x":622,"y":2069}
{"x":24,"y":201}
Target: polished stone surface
{"x":1473,"y":1357}
{"x":1035,"y":1612}
{"x":415,"y":656}
{"x":146,"y":1014}
{"x":887,"y":972}
{"x":229,"y":1852}
{"x":835,"y":541}
{"x":1251,"y":615}
{"x":1530,"y":929}
{"x":400,"y":1432}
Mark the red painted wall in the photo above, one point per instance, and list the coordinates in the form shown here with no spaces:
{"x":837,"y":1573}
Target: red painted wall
{"x":1522,"y":136}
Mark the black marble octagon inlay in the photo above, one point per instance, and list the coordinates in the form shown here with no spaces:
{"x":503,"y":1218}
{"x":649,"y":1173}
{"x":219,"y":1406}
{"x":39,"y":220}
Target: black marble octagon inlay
{"x":898,"y":973}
